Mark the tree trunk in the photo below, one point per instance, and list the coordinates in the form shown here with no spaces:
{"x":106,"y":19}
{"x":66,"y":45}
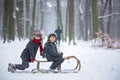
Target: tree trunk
{"x":27,"y":19}
{"x":19,"y":16}
{"x":101,"y":13}
{"x":86,"y":19}
{"x":42,"y":13}
{"x":8,"y":24}
{"x":109,"y":18}
{"x":33,"y":17}
{"x":67,"y":18}
{"x":59,"y":17}
{"x":95,"y":16}
{"x":71,"y":20}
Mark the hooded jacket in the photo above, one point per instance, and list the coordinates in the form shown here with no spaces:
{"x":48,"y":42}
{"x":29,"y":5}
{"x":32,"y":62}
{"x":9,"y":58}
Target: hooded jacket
{"x":30,"y":51}
{"x":50,"y":50}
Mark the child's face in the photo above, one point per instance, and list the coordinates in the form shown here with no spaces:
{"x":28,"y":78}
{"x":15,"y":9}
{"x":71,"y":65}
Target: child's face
{"x":52,"y":38}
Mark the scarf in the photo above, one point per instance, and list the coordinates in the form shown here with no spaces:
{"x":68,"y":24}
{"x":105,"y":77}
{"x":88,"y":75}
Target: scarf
{"x":40,"y":45}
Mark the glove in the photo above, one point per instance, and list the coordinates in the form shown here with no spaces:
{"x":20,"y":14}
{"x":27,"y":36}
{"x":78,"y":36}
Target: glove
{"x":32,"y":60}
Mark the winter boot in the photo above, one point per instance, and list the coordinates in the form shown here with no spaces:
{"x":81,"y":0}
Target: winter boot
{"x":11,"y":68}
{"x":54,"y":70}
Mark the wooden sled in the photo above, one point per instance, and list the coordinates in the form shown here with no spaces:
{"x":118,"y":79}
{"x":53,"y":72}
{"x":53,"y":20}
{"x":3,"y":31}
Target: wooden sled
{"x":76,"y":69}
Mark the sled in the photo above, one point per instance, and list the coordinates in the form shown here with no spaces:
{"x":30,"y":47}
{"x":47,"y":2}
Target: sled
{"x":74,"y":70}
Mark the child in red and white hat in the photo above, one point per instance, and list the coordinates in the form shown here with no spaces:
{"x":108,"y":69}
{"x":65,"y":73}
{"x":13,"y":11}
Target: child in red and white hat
{"x":29,"y":53}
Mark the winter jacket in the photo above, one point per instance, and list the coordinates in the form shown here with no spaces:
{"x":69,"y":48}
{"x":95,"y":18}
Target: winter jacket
{"x":58,"y":32}
{"x":30,"y":51}
{"x":50,"y":50}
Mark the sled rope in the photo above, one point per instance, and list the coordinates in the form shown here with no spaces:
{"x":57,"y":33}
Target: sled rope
{"x":77,"y":67}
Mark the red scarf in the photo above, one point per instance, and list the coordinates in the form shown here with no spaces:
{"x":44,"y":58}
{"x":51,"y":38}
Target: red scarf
{"x":40,"y":45}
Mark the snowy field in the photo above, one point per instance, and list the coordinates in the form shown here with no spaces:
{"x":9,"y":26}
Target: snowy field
{"x":96,"y":64}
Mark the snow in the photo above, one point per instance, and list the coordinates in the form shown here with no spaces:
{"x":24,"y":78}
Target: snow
{"x":49,"y":4}
{"x":96,"y":64}
{"x":116,"y":13}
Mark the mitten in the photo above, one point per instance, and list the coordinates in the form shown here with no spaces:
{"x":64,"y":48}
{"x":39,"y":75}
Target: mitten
{"x":32,"y":60}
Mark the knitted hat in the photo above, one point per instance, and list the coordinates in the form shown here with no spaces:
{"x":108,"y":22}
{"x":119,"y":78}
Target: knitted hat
{"x":37,"y":33}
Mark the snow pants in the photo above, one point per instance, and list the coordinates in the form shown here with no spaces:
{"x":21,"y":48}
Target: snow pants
{"x":23,"y":66}
{"x":56,"y":63}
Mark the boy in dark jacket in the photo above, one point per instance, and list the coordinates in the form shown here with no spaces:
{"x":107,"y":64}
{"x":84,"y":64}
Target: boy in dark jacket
{"x":29,"y":53}
{"x":50,"y":50}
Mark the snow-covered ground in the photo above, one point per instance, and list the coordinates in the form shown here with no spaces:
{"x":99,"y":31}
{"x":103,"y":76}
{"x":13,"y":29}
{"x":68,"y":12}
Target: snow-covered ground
{"x":96,"y":64}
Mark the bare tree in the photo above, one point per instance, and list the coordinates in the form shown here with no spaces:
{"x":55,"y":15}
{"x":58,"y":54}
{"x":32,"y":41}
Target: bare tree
{"x":33,"y":16}
{"x":71,"y":20}
{"x":8,"y":24}
{"x":95,"y":16}
{"x":42,"y":13}
{"x":27,"y":19}
{"x":102,"y":8}
{"x":109,"y":18}
{"x":19,"y":18}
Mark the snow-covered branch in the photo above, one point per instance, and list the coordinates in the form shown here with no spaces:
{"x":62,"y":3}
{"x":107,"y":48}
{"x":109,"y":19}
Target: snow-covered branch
{"x":117,"y":13}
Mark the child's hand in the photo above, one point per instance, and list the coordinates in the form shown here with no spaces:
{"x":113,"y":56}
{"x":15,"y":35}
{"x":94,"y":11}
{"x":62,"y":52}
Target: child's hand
{"x":32,"y":60}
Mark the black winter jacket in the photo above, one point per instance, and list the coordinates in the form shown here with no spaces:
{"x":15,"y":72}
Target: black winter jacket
{"x":30,"y":51}
{"x":50,"y":50}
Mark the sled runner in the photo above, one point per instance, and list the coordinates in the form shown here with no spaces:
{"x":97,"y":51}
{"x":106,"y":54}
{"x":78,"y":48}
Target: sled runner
{"x":74,"y":70}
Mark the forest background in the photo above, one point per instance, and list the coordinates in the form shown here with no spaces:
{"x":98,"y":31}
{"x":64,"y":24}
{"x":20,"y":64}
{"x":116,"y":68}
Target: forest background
{"x":78,"y":19}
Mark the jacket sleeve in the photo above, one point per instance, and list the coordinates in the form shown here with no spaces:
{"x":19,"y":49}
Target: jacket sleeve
{"x":52,"y":52}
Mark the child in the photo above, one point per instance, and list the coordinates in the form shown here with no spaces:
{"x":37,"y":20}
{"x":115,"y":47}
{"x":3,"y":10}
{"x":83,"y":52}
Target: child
{"x":29,"y":53}
{"x":50,"y":50}
{"x":58,"y":32}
